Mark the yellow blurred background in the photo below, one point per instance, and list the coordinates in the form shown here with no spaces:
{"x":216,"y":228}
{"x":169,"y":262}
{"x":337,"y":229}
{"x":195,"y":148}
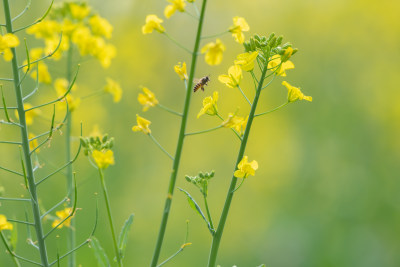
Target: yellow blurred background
{"x":327,"y":189}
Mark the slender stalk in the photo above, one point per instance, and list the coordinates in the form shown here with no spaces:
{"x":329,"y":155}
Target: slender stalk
{"x":176,"y":42}
{"x":16,"y":262}
{"x":179,"y":146}
{"x":208,"y":213}
{"x":272,"y":110}
{"x":160,"y":146}
{"x":218,"y":234}
{"x":103,"y":185}
{"x":169,"y":110}
{"x":205,"y":131}
{"x":25,"y":144}
{"x":241,"y":91}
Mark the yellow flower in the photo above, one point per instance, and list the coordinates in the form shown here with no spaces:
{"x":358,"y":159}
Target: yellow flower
{"x":82,"y":37}
{"x":233,"y":78}
{"x":100,"y":26}
{"x":34,"y":143}
{"x":209,"y":105}
{"x":246,"y":60}
{"x":235,"y":122}
{"x":4,"y":224}
{"x":152,"y":23}
{"x":175,"y":5}
{"x":147,"y":99}
{"x":143,"y":125}
{"x":214,"y":52}
{"x":8,"y":41}
{"x":239,"y":26}
{"x":274,"y":65}
{"x":61,"y":215}
{"x":46,"y":29}
{"x":287,"y":54}
{"x":103,"y":158}
{"x":29,"y":115}
{"x":114,"y":89}
{"x":79,"y":11}
{"x":104,"y":52}
{"x":246,"y":168}
{"x":44,"y":75}
{"x":180,"y":69}
{"x":295,"y":93}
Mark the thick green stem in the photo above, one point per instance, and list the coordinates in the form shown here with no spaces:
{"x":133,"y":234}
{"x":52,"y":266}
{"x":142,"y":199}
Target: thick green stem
{"x":218,"y":234}
{"x":103,"y":185}
{"x":25,"y":144}
{"x":179,"y":146}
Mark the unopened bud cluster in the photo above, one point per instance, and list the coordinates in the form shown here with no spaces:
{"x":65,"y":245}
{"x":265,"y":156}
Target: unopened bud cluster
{"x":92,"y":143}
{"x":201,"y":181}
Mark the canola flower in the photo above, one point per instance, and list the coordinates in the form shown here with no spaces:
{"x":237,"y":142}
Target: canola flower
{"x":180,"y":69}
{"x":4,"y":224}
{"x":142,"y":125}
{"x":246,"y":60}
{"x":100,"y":26}
{"x":246,"y":168}
{"x":235,"y":122}
{"x":103,"y":158}
{"x":8,"y":41}
{"x":295,"y":93}
{"x":239,"y":26}
{"x":113,"y":88}
{"x":79,"y":11}
{"x":29,"y":115}
{"x":61,"y":215}
{"x":214,"y":52}
{"x":233,"y":78}
{"x":147,"y":99}
{"x":209,"y":105}
{"x":173,"y":7}
{"x":153,"y":23}
{"x":280,"y":67}
{"x":287,"y":54}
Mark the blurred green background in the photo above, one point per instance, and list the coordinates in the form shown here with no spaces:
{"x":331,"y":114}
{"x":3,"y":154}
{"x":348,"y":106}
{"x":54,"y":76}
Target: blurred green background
{"x":327,"y":189}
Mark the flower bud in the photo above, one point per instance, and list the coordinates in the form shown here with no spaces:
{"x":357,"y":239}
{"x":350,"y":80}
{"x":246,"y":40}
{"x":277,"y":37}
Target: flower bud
{"x":279,"y":40}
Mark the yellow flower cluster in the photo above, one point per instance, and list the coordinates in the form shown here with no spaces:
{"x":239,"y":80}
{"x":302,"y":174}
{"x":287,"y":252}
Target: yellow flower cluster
{"x":239,"y":26}
{"x":276,"y":64}
{"x":209,"y":105}
{"x":8,"y":41}
{"x":4,"y":224}
{"x":246,"y":168}
{"x":103,"y":158}
{"x":236,"y":122}
{"x":61,"y":215}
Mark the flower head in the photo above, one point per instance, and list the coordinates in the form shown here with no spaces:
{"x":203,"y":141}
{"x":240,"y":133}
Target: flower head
{"x":4,"y":224}
{"x":152,"y":23}
{"x":79,"y":11}
{"x":209,"y":105}
{"x":214,"y":52}
{"x":239,"y":26}
{"x":112,"y":87}
{"x":246,"y":60}
{"x":103,"y":158}
{"x":279,"y":66}
{"x":233,"y":78}
{"x":246,"y":168}
{"x":147,"y":99}
{"x":174,"y":6}
{"x":180,"y":69}
{"x":61,"y":215}
{"x":8,"y":41}
{"x":235,"y":122}
{"x":142,"y":125}
{"x":100,"y":26}
{"x":295,"y":93}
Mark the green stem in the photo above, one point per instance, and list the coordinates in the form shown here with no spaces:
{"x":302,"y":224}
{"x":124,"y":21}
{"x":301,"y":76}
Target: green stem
{"x":218,"y":234}
{"x":169,"y":110}
{"x":240,"y":89}
{"x":9,"y":250}
{"x":103,"y":185}
{"x":208,"y":213}
{"x":176,"y":42}
{"x":272,"y":110}
{"x":214,"y":35}
{"x":205,"y":131}
{"x":160,"y":146}
{"x":25,"y":145}
{"x":179,"y":146}
{"x":98,"y":92}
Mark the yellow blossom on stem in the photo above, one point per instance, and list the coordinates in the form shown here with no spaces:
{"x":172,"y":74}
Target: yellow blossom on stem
{"x":295,"y":93}
{"x":214,"y":52}
{"x":235,"y":122}
{"x":152,"y":23}
{"x":246,"y":168}
{"x":61,"y":85}
{"x":275,"y":64}
{"x":112,"y":87}
{"x":180,"y":69}
{"x":34,"y":143}
{"x":46,"y":29}
{"x":100,"y":26}
{"x":239,"y":26}
{"x":61,"y":215}
{"x":8,"y":41}
{"x":287,"y":54}
{"x":209,"y":105}
{"x":79,"y":11}
{"x":174,"y":6}
{"x":142,"y":125}
{"x":103,"y":158}
{"x":4,"y":224}
{"x":29,"y":115}
{"x":83,"y":38}
{"x":147,"y":99}
{"x":246,"y":60}
{"x":233,"y":78}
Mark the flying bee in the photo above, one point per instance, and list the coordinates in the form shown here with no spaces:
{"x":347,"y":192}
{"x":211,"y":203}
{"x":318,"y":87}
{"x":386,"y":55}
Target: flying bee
{"x":201,"y":83}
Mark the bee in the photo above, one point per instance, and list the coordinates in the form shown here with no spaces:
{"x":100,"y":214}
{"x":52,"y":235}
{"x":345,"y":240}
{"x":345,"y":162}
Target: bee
{"x":201,"y":83}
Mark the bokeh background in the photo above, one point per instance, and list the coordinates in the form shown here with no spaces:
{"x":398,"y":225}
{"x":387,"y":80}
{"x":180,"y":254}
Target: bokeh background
{"x":327,"y":189}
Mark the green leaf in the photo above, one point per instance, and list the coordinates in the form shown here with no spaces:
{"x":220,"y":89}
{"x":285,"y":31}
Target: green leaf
{"x":123,"y":236}
{"x":101,"y":256}
{"x":197,"y":209}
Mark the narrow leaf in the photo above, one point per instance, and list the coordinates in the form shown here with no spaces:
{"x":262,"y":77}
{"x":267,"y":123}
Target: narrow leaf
{"x":101,"y":256}
{"x":123,"y":236}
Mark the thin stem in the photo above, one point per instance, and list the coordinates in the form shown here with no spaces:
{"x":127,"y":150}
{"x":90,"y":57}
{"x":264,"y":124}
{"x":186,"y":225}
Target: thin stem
{"x":9,"y":250}
{"x":98,"y":92}
{"x":25,"y":144}
{"x":160,"y":146}
{"x":272,"y":110}
{"x":255,"y":81}
{"x":179,"y":146}
{"x":224,"y":215}
{"x":240,"y":89}
{"x":191,"y":15}
{"x":14,"y":199}
{"x":205,"y":131}
{"x":103,"y":185}
{"x":169,"y":110}
{"x":214,"y":35}
{"x":238,"y":186}
{"x":208,"y":213}
{"x":233,"y":130}
{"x":176,"y":42}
